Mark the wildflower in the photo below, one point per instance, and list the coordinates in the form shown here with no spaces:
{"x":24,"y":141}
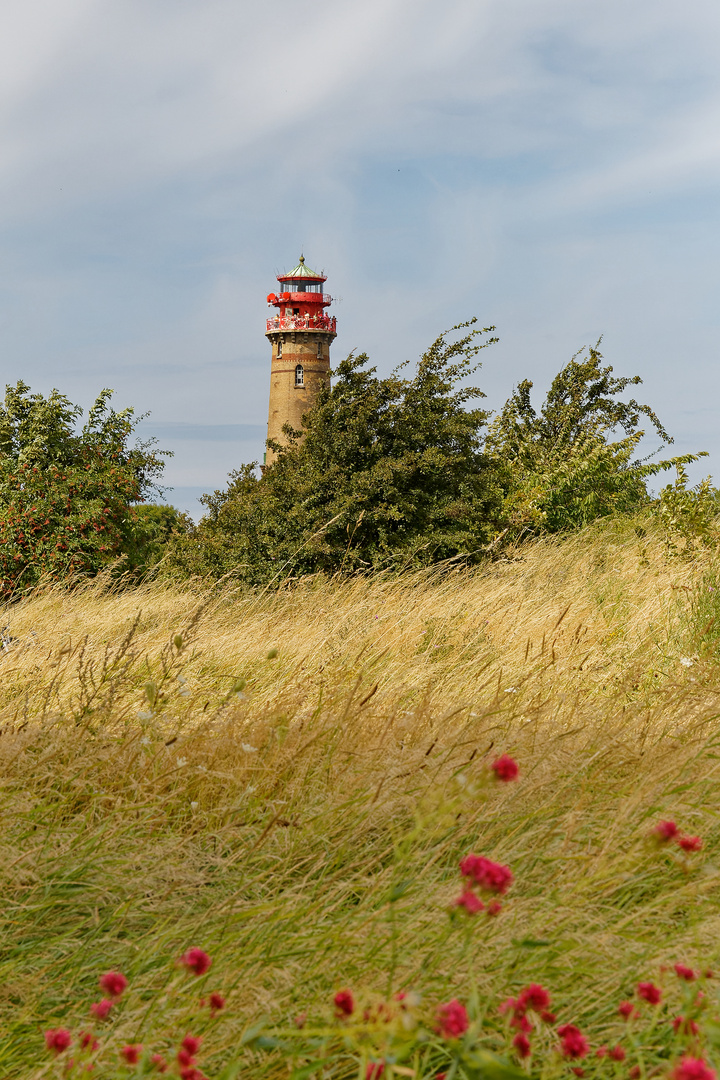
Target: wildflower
{"x":113,"y":984}
{"x":374,"y":1070}
{"x":649,"y":992}
{"x":505,"y":768}
{"x":617,"y":1053}
{"x":690,"y":1068}
{"x":300,"y":1020}
{"x":548,"y":1017}
{"x":685,"y":1026}
{"x":159,"y":1062}
{"x":185,"y":1058}
{"x":666,"y":830}
{"x":101,"y":1009}
{"x":494,"y":908}
{"x":131,"y":1053}
{"x":58,"y":1039}
{"x":578,"y":1071}
{"x":574,"y":1044}
{"x":635,"y":1073}
{"x":470,"y":902}
{"x":534,"y":997}
{"x":217,"y":1002}
{"x":522,"y":1045}
{"x":191,"y":1043}
{"x":452,"y":1020}
{"x":247,"y":748}
{"x":684,"y":972}
{"x":488,"y":875}
{"x":601,"y":1052}
{"x":628,"y":1010}
{"x":344,"y":1003}
{"x":686,"y":661}
{"x":690,"y":843}
{"x":196,"y":960}
{"x":88,"y":1041}
{"x":509,"y":1005}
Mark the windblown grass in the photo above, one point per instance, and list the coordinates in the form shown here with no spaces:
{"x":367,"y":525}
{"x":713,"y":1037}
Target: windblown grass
{"x":305,"y":828}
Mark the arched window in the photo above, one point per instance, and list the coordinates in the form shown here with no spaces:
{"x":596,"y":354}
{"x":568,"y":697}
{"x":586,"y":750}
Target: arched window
{"x":299,"y":375}
{"x":320,"y":351}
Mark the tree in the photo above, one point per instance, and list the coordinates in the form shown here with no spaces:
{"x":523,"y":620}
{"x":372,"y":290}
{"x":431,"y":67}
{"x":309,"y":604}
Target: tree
{"x":561,"y":468}
{"x":67,"y":495}
{"x":389,"y":472}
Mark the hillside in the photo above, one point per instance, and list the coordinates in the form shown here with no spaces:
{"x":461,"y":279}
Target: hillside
{"x":289,"y":780}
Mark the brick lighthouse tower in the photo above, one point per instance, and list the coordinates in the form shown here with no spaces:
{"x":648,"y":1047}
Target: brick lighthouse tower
{"x":300,"y":334}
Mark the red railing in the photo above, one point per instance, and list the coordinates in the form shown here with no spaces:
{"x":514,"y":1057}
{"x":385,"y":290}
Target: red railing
{"x":302,"y":322}
{"x":305,"y":297}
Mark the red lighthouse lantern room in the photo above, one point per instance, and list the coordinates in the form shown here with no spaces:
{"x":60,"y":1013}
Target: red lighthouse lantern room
{"x":300,"y":333}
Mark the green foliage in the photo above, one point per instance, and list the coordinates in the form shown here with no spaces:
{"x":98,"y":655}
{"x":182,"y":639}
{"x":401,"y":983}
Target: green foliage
{"x":390,"y":472}
{"x":66,"y":495}
{"x":561,"y":469}
{"x":688,"y":515}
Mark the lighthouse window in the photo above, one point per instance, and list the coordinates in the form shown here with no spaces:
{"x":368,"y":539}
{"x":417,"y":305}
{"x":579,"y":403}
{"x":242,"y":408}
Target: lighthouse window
{"x":279,"y":352}
{"x":319,"y":350}
{"x":299,"y":375}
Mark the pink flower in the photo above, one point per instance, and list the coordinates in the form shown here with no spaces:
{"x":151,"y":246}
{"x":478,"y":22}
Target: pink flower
{"x":635,"y":1073}
{"x":601,"y":1052}
{"x":113,"y":984}
{"x":690,"y":1068}
{"x":452,"y":1020}
{"x":344,"y":1003}
{"x":58,"y":1039}
{"x":666,"y":830}
{"x":684,"y":972}
{"x":628,"y":1010}
{"x":131,"y":1053}
{"x":534,"y":997}
{"x":159,"y":1062}
{"x":191,"y":1043}
{"x":101,"y":1009}
{"x":685,"y":1026}
{"x":690,"y":843}
{"x":649,"y":992}
{"x":374,"y":1070}
{"x":617,"y":1053}
{"x":196,"y":960}
{"x":470,"y":902}
{"x":185,"y":1057}
{"x":217,"y":1003}
{"x":488,"y":875}
{"x":522,"y":1045}
{"x":505,"y":768}
{"x":548,"y":1017}
{"x":494,"y":908}
{"x":574,"y":1044}
{"x":88,"y":1041}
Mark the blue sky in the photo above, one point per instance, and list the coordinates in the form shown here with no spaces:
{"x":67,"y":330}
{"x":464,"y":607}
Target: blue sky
{"x":550,"y":166}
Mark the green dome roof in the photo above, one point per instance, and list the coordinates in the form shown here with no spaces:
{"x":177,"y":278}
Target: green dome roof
{"x":302,"y":271}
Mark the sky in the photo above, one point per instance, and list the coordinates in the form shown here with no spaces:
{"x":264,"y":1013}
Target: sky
{"x":549,"y":166}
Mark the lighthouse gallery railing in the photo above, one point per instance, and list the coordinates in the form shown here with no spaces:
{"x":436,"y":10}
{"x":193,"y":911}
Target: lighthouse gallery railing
{"x":302,"y":322}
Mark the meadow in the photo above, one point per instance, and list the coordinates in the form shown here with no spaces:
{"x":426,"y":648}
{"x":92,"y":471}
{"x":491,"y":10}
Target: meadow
{"x":289,"y":779}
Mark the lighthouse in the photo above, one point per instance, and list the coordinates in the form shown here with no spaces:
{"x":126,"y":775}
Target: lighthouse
{"x":300,"y":333}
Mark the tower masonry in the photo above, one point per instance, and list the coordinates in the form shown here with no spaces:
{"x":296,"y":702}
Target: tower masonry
{"x":300,"y":333}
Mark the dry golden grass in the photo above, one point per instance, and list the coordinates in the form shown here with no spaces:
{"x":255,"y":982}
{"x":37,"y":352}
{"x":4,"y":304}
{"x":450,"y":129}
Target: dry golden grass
{"x":305,"y":828}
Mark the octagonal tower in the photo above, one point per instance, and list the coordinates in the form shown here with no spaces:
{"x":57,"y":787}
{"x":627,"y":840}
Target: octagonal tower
{"x":300,"y":334}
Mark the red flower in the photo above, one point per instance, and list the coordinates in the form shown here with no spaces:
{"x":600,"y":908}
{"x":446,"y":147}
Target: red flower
{"x":649,"y":992}
{"x":58,"y":1039}
{"x":191,"y":1043}
{"x":88,"y":1040}
{"x":100,"y":1009}
{"x":690,"y":843}
{"x":534,"y":997}
{"x":574,"y":1044}
{"x":628,"y":1010}
{"x":488,"y":875}
{"x":505,"y":768}
{"x":131,"y":1053}
{"x":113,"y":984}
{"x":159,"y":1062}
{"x":601,"y":1052}
{"x":635,"y":1073}
{"x":522,"y":1045}
{"x":185,"y":1057}
{"x":578,"y":1071}
{"x":617,"y":1053}
{"x":666,"y":830}
{"x":217,"y":1002}
{"x":684,"y":972}
{"x":470,"y":902}
{"x":494,"y":908}
{"x":690,"y":1068}
{"x":374,"y":1070}
{"x":685,"y":1026}
{"x":344,"y":1003}
{"x":548,"y":1017}
{"x":196,"y":960}
{"x":451,"y":1019}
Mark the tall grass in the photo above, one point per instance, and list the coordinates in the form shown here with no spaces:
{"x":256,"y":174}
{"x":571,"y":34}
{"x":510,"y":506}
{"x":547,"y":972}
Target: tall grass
{"x":289,"y":780}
